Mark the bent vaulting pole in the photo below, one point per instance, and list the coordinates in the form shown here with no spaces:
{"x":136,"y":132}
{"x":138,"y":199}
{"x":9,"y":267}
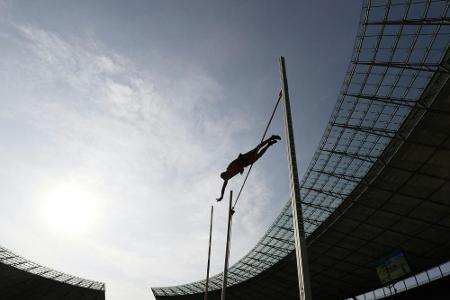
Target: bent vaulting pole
{"x":209,"y":253}
{"x":297,"y":216}
{"x":227,"y":249}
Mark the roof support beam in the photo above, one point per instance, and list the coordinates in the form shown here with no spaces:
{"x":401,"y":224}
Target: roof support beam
{"x":435,"y":68}
{"x":422,"y":21}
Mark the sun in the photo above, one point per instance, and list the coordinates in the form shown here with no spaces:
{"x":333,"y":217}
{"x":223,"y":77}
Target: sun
{"x":69,"y":209}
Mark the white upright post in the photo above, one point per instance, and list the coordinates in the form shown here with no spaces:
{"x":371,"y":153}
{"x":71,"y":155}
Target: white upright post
{"x":227,"y":249}
{"x":297,"y":216}
{"x":209,"y":253}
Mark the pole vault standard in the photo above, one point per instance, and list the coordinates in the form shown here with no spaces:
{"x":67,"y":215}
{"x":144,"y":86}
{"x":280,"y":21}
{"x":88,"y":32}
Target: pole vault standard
{"x":297,"y":216}
{"x":209,"y":253}
{"x":227,"y":248}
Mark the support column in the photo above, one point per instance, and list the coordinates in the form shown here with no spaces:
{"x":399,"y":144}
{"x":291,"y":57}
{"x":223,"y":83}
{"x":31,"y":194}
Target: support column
{"x":297,"y":215}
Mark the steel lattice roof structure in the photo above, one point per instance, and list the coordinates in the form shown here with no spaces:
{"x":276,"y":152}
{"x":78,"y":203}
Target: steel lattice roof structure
{"x":379,"y":179}
{"x":23,"y":279}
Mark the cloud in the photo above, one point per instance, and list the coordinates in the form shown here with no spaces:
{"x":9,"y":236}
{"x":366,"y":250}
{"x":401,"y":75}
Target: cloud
{"x":150,"y":146}
{"x":5,"y":6}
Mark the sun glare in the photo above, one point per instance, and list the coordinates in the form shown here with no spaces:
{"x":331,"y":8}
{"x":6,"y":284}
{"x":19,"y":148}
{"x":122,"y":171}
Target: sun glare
{"x":69,"y":209}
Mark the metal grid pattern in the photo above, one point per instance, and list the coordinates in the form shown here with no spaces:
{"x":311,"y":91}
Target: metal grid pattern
{"x":398,"y":48}
{"x":11,"y":259}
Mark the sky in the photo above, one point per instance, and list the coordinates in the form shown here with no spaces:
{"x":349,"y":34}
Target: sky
{"x":117,"y":117}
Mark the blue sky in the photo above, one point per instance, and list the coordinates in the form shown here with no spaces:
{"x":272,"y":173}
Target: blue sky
{"x":116,"y":119}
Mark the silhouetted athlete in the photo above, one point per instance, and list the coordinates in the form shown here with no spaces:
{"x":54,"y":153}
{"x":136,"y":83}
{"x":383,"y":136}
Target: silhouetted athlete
{"x":245,"y":160}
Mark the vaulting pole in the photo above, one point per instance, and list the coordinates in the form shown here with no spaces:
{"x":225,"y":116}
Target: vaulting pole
{"x":297,"y":216}
{"x":209,"y":253}
{"x":227,"y":249}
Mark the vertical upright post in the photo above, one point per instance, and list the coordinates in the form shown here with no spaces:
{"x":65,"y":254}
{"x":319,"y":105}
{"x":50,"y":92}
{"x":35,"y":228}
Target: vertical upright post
{"x":227,"y":249}
{"x":297,"y":216}
{"x":209,"y":253}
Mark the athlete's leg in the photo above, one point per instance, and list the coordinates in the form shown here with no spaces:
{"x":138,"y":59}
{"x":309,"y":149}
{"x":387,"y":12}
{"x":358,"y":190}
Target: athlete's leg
{"x":264,"y":149}
{"x":253,"y":155}
{"x":272,"y":140}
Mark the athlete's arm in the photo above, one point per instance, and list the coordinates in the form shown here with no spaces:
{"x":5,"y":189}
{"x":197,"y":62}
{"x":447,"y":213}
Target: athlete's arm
{"x":225,"y":182}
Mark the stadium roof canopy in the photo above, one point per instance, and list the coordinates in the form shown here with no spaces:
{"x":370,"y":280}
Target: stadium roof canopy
{"x":23,"y":279}
{"x":379,"y":181}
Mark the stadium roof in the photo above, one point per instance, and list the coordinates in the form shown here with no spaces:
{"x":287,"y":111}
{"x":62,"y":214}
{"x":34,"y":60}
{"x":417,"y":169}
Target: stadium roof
{"x":378,"y":181}
{"x":23,"y":279}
